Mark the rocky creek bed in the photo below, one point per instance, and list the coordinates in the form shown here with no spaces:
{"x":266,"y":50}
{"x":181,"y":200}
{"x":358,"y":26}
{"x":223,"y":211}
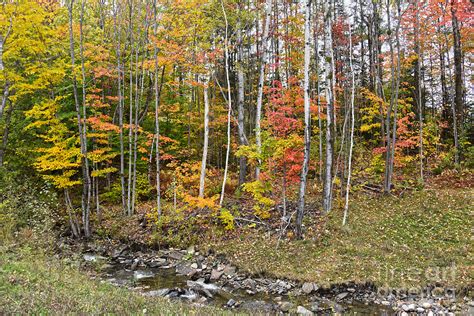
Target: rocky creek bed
{"x":206,"y":279}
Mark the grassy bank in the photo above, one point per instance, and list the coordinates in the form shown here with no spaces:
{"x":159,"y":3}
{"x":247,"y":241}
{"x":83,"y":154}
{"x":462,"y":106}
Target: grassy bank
{"x":418,"y":237}
{"x":32,"y":282}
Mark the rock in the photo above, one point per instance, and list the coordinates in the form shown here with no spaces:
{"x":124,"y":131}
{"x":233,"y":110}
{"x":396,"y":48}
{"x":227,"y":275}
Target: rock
{"x":341,"y":296}
{"x":117,"y":252}
{"x":403,"y":314}
{"x":194,"y":265}
{"x":308,"y":287}
{"x":231,"y":303}
{"x":138,"y":275}
{"x":205,"y":288}
{"x":249,"y":284}
{"x":285,"y":306}
{"x":425,"y":304}
{"x":430,"y":313}
{"x":385,"y":303}
{"x":315,"y":307}
{"x":408,"y":307}
{"x":134,"y":265}
{"x":185,"y":269}
{"x":300,"y":310}
{"x":229,"y":270}
{"x":161,"y":292}
{"x":216,"y":274}
{"x":175,"y":255}
{"x":157,"y":263}
{"x":172,"y":294}
{"x":420,"y":310}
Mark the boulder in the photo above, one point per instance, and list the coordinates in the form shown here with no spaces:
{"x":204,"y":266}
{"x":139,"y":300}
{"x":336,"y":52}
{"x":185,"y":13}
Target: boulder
{"x":158,"y":262}
{"x":185,"y":269}
{"x":231,"y":303}
{"x":216,"y":274}
{"x":161,"y":292}
{"x":308,"y":288}
{"x":229,"y":270}
{"x":175,"y":255}
{"x":285,"y":306}
{"x":207,"y":289}
{"x":341,"y":296}
{"x":300,"y":310}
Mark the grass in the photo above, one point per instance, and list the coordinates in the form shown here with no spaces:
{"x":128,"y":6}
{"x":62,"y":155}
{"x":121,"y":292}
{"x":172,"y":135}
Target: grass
{"x":422,"y":238}
{"x":31,"y":282}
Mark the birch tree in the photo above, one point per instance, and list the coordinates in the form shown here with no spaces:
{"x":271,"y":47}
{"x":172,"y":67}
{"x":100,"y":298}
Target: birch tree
{"x":229,"y":102}
{"x":157,"y":103}
{"x":307,"y":118}
{"x":80,"y":120}
{"x":206,"y":139}
{"x":261,"y":80}
{"x":329,"y":93}
{"x":351,"y":140}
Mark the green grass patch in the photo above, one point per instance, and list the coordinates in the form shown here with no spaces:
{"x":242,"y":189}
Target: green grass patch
{"x":419,"y":239}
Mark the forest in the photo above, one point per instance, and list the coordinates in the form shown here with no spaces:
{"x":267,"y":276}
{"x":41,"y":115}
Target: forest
{"x":316,"y":151}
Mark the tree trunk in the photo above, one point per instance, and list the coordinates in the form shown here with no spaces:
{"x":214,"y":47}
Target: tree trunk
{"x":351,"y":141}
{"x":458,"y":81}
{"x":328,"y":49}
{"x":6,"y":132}
{"x":240,"y":102}
{"x":157,"y":103}
{"x":6,"y":93}
{"x":307,"y":119}
{"x":261,"y":80}
{"x":418,"y":79}
{"x":206,"y":139}
{"x":76,"y":232}
{"x":121,"y":107}
{"x":83,"y":141}
{"x":229,"y":100}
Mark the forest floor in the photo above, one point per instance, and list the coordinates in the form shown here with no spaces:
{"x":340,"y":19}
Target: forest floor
{"x":34,"y":282}
{"x":421,"y":238}
{"x":408,"y":241}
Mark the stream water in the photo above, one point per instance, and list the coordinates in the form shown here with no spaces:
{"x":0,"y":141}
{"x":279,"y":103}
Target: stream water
{"x":166,"y":282}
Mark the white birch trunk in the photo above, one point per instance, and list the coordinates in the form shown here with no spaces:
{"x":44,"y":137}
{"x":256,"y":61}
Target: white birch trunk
{"x":351,"y":140}
{"x":261,"y":80}
{"x":307,"y":119}
{"x":157,"y":122}
{"x":329,"y":74}
{"x":229,"y":100}
{"x":206,"y":139}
